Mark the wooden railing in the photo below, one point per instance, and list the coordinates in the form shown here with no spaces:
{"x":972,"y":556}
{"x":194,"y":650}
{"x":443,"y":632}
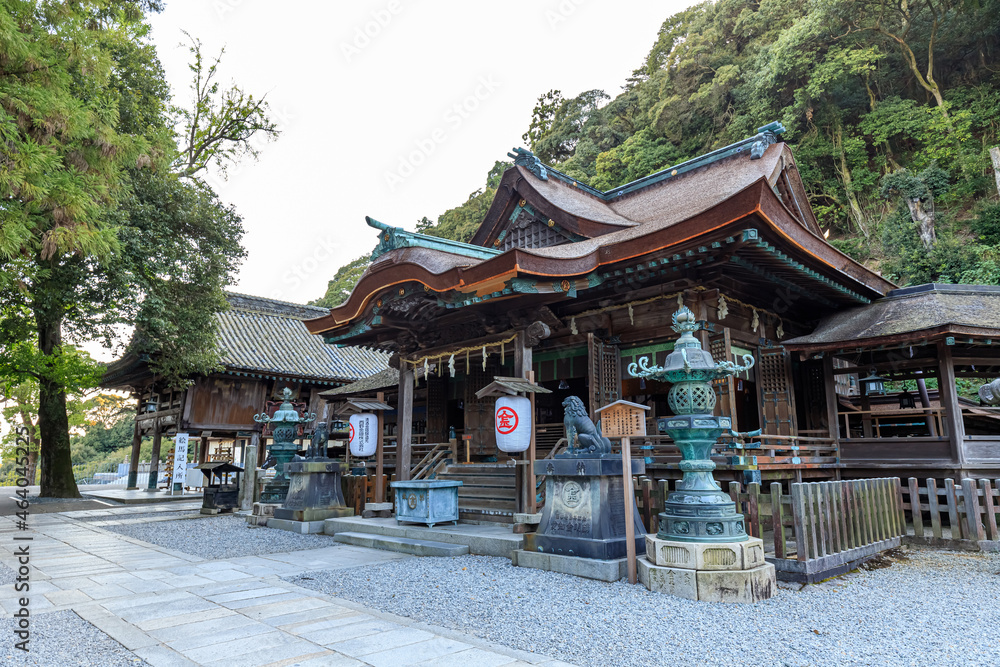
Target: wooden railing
{"x":764,"y":452}
{"x":963,"y":515}
{"x":434,"y":456}
{"x":895,"y":423}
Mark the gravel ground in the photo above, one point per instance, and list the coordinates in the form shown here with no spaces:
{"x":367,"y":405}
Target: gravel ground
{"x":928,"y":607}
{"x":63,"y":639}
{"x":220,"y":537}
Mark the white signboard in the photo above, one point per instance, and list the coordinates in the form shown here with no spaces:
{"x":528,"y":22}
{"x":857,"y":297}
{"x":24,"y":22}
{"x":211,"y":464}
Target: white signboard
{"x":363,"y":434}
{"x":180,"y":461}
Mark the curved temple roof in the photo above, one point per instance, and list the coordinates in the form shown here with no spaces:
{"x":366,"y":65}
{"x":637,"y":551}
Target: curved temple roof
{"x":715,"y":196}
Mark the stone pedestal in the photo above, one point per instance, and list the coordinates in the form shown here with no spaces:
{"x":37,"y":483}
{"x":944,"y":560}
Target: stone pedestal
{"x":262,"y":512}
{"x":712,"y":572}
{"x":314,"y":491}
{"x":584,"y":513}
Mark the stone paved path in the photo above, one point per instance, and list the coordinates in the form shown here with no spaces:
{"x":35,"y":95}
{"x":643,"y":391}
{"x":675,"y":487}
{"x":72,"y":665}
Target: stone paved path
{"x":174,"y":609}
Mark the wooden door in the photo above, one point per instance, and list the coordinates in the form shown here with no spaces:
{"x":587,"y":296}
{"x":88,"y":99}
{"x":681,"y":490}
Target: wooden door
{"x":604,"y":372}
{"x":437,"y":413}
{"x":774,"y":387}
{"x":725,"y":389}
{"x":479,"y":411}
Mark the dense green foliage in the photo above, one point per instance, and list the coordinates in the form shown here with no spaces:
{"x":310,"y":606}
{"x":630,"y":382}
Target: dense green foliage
{"x":104,"y":225}
{"x":865,"y":90}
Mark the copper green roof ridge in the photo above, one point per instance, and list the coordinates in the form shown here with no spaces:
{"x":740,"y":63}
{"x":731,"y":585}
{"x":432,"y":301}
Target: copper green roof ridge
{"x":393,"y":238}
{"x":755,"y":145}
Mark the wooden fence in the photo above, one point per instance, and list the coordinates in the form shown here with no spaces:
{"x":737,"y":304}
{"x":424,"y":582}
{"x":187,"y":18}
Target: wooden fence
{"x":962,"y":515}
{"x":818,"y":530}
{"x":360,"y":489}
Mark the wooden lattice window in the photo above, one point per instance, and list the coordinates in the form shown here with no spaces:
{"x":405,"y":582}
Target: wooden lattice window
{"x":531,"y":234}
{"x":774,"y":385}
{"x":605,"y":373}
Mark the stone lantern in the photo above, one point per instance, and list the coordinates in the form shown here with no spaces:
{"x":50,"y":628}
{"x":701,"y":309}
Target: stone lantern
{"x":702,"y":550}
{"x":284,"y":425}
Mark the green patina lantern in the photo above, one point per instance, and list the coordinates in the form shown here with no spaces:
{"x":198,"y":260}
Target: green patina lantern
{"x":284,"y":425}
{"x":697,"y":510}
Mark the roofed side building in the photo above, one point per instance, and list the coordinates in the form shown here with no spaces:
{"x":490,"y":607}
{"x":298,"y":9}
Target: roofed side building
{"x":264,"y":347}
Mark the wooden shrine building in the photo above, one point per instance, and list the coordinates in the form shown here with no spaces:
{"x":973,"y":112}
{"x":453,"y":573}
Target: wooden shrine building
{"x":264,"y":348}
{"x":575,"y":284}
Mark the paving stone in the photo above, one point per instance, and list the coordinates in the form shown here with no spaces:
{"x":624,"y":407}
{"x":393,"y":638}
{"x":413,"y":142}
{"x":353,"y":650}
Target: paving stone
{"x":283,"y":596}
{"x":218,"y":636}
{"x":335,"y":660}
{"x":263,"y":612}
{"x":412,"y":654}
{"x":332,"y":635}
{"x":337,"y":621}
{"x":221,"y":575}
{"x":60,"y":598}
{"x":306,"y":616}
{"x":247,"y":594}
{"x":469,"y":657}
{"x":200,"y":626}
{"x":382,"y":641}
{"x":173,"y":621}
{"x":124,"y":633}
{"x":161,"y":656}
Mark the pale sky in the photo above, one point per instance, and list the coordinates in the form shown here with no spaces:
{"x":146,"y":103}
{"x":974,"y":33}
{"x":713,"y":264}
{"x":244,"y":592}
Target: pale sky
{"x":394,"y":109}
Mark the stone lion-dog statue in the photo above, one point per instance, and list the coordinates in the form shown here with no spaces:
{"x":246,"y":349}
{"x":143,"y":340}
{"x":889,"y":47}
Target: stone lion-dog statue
{"x":580,"y":430}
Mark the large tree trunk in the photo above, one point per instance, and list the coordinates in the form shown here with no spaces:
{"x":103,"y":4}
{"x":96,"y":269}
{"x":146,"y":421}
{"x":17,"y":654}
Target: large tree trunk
{"x":922,"y":213}
{"x":57,"y":479}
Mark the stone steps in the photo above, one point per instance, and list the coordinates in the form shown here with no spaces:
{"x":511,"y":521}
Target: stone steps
{"x":484,"y":539}
{"x":487,"y":493}
{"x":404,"y":545}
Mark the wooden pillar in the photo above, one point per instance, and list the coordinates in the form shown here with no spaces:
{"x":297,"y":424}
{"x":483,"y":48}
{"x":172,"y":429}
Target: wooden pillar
{"x":203,"y":457}
{"x":949,"y":401}
{"x":832,"y":404}
{"x":404,"y":422}
{"x":154,"y":459}
{"x":523,"y":361}
{"x":379,"y":487}
{"x":133,"y":462}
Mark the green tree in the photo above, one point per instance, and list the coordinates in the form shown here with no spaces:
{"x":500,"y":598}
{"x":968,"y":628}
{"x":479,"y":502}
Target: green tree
{"x":221,"y":125}
{"x":347,"y":276}
{"x":98,"y":232}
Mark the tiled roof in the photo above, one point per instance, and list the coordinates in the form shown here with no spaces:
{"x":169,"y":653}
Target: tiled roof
{"x":386,"y":379}
{"x":911,"y":311}
{"x":267,"y":336}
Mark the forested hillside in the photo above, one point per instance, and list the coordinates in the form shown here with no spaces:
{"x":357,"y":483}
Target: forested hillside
{"x":891,"y":107}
